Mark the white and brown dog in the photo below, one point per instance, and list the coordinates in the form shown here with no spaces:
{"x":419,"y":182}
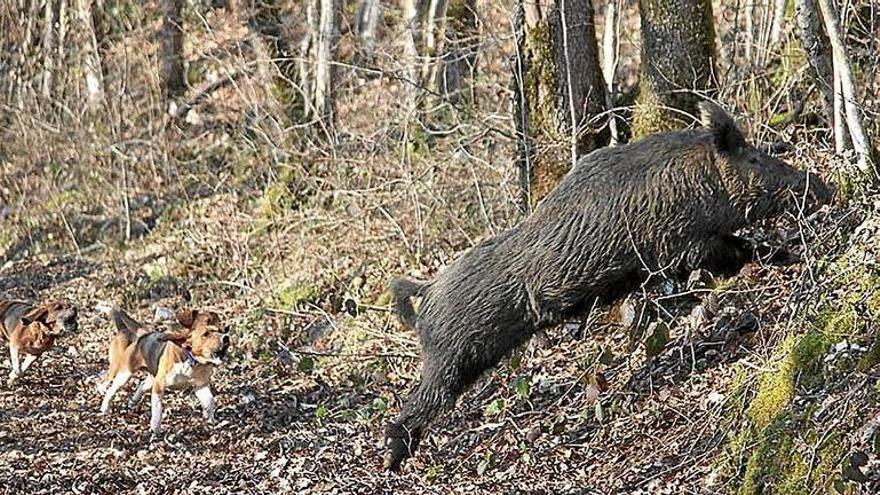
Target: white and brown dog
{"x":174,"y":360}
{"x":31,"y":330}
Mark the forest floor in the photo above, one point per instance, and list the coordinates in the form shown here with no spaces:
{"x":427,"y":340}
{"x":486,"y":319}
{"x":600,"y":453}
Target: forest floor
{"x":309,"y":420}
{"x":768,"y":382}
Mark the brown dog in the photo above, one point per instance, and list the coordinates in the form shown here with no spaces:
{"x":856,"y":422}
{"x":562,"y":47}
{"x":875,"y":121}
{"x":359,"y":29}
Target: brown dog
{"x":174,"y":360}
{"x":33,"y":329}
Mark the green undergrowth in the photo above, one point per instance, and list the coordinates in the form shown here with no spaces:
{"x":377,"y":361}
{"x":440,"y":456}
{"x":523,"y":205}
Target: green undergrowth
{"x":780,"y":441}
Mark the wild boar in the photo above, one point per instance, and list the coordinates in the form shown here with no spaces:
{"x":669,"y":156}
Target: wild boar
{"x":659,"y":207}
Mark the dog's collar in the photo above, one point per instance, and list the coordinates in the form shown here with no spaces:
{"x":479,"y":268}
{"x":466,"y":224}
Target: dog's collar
{"x":190,"y":359}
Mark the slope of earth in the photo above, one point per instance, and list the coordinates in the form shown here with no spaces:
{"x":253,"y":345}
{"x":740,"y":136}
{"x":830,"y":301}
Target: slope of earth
{"x":309,"y":419}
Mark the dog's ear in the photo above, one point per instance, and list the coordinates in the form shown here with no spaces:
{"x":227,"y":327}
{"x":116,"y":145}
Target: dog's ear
{"x":38,"y":314}
{"x":187,"y":318}
{"x":178,"y":338}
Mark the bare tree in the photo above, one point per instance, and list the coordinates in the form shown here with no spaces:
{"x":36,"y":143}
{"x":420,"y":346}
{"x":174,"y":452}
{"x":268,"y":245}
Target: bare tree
{"x":778,"y":20}
{"x":678,"y":52}
{"x":171,"y":74}
{"x":413,"y":17}
{"x":610,"y":45}
{"x":844,"y":89}
{"x":278,"y":66}
{"x":48,"y":48}
{"x":90,"y":56}
{"x":325,"y":63}
{"x":456,"y":62}
{"x":559,"y":91}
{"x":366,"y":24}
{"x":818,"y":51}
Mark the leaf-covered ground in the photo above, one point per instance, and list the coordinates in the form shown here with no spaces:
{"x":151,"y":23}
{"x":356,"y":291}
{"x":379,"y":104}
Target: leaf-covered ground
{"x":309,"y":419}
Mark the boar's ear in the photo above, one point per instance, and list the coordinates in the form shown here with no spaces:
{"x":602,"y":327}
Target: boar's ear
{"x":728,"y":137}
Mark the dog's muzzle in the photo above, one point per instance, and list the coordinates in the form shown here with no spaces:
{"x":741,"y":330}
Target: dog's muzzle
{"x":225,"y":341}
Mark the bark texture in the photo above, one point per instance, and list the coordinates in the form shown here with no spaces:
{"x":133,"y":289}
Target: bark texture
{"x":818,"y":51}
{"x":845,"y":90}
{"x":678,"y":54}
{"x":90,"y":56}
{"x":560,"y":89}
{"x":366,"y":25}
{"x":325,"y":68}
{"x":171,"y":73}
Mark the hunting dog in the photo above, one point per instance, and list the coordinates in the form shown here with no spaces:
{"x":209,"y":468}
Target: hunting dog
{"x":31,"y":330}
{"x":182,"y":359}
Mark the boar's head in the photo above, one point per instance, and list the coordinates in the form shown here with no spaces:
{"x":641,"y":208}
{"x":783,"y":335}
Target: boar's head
{"x":759,"y":185}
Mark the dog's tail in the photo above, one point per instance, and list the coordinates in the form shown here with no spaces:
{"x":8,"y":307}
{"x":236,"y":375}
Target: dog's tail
{"x":124,"y":323}
{"x":403,"y":290}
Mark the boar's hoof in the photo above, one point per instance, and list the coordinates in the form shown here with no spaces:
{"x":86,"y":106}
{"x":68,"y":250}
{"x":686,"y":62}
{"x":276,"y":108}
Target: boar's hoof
{"x":401,"y":444}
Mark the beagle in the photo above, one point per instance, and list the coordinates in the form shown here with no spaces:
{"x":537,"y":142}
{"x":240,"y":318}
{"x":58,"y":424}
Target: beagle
{"x":173,"y":360}
{"x":31,"y":330}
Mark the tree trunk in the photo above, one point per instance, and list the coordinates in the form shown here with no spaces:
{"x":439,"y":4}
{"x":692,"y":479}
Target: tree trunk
{"x":307,"y":54}
{"x":559,"y":91}
{"x":91,"y":61}
{"x":678,"y":52}
{"x":277,"y":67}
{"x":60,"y":52}
{"x":413,"y":16}
{"x":171,"y":74}
{"x":48,"y":52}
{"x":845,"y":83}
{"x":609,"y":58}
{"x":778,"y":18}
{"x":365,"y":26}
{"x":325,"y":69}
{"x":456,"y":65}
{"x":818,"y":51}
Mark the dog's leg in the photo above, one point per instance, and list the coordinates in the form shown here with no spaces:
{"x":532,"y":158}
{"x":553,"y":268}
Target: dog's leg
{"x":28,"y":361}
{"x":118,"y":381}
{"x":207,"y":399}
{"x":156,"y":408}
{"x":139,"y":392}
{"x":13,"y":361}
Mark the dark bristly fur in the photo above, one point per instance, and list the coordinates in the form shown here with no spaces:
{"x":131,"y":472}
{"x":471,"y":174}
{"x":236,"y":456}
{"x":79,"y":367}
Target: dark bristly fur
{"x":668,"y":203}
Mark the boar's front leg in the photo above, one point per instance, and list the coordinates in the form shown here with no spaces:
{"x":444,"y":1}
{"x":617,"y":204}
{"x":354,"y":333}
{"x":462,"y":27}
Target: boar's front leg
{"x":441,"y":383}
{"x":727,"y":254}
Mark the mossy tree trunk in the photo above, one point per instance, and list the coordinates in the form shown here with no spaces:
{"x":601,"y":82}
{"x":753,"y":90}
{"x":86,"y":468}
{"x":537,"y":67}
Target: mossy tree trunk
{"x":678,"y":53}
{"x":559,"y":91}
{"x":275,"y":52}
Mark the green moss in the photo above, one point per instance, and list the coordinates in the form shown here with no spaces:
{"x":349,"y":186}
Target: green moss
{"x":383,"y":299}
{"x":291,"y":293}
{"x":777,"y":388}
{"x":540,"y":80}
{"x":870,"y":358}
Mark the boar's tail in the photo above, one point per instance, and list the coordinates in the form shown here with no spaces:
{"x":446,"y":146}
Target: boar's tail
{"x":403,"y":290}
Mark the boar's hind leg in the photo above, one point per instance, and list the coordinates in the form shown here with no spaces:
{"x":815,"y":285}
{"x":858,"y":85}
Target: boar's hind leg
{"x":437,"y":390}
{"x":727,"y":254}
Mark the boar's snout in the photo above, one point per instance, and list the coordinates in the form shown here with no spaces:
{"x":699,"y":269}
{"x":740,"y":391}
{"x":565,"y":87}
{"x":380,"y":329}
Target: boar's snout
{"x":782,"y":187}
{"x":810,"y":192}
{"x":818,"y":192}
